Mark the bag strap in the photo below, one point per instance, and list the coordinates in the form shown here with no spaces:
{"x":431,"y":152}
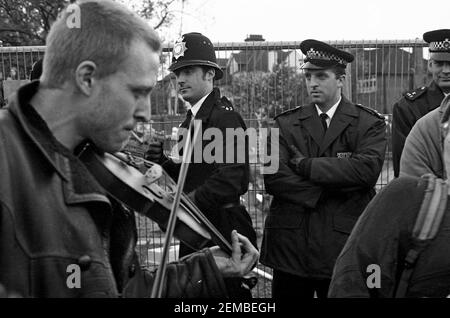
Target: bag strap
{"x":426,"y":227}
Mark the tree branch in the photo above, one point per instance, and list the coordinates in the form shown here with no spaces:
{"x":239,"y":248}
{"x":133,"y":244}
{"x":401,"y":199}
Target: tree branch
{"x":161,"y":22}
{"x":19,"y":31}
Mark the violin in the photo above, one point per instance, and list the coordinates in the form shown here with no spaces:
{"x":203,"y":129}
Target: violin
{"x":120,"y":175}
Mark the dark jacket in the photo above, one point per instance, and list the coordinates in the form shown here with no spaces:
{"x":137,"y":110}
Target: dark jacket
{"x":311,"y":215}
{"x":410,"y":108}
{"x":54,"y":214}
{"x":382,"y":237}
{"x":218,"y":184}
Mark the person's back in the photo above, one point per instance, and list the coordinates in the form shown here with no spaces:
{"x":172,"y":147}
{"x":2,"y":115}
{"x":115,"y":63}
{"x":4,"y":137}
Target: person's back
{"x":373,"y":258}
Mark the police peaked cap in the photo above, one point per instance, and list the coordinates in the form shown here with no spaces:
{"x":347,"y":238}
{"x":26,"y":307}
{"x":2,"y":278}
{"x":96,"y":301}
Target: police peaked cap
{"x":194,"y":49}
{"x":320,"y":55}
{"x":439,"y":44}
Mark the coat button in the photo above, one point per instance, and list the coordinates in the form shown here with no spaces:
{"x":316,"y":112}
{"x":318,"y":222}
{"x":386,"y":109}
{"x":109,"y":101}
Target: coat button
{"x":131,"y":270}
{"x":84,"y":262}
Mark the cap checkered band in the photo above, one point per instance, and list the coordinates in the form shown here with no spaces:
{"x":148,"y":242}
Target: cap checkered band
{"x":440,"y":46}
{"x":320,"y":55}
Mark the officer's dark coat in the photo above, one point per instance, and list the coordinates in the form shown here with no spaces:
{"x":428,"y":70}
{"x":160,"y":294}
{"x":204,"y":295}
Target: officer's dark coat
{"x":410,"y":108}
{"x":311,"y":217}
{"x":217,"y":184}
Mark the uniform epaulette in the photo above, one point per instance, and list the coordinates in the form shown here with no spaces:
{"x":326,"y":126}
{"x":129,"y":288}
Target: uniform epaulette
{"x":412,"y":95}
{"x":370,"y":111}
{"x":287,"y":112}
{"x":225,"y":104}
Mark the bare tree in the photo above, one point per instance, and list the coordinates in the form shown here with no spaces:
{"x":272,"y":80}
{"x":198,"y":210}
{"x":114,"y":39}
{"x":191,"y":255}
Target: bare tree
{"x":159,"y":13}
{"x":27,"y":22}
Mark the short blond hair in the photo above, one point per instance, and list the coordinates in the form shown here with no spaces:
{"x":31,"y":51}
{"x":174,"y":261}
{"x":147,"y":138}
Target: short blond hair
{"x":104,"y":36}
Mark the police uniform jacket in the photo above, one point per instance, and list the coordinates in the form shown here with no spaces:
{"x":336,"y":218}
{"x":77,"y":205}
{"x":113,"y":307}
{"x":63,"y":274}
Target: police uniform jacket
{"x":412,"y":106}
{"x":57,"y":223}
{"x":311,"y":215}
{"x":217,"y":187}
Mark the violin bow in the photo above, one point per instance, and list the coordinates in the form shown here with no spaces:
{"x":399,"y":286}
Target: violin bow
{"x":161,"y":273}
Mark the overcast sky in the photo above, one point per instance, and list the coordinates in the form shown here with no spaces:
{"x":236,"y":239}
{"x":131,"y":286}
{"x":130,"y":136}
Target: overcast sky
{"x":295,"y":20}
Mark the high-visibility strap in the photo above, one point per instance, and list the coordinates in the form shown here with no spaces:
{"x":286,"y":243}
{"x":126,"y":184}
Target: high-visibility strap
{"x":426,"y":227}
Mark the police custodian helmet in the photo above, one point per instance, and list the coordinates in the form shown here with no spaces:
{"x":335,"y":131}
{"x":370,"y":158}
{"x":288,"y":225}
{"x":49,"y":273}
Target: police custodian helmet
{"x":320,"y":55}
{"x":194,"y":49}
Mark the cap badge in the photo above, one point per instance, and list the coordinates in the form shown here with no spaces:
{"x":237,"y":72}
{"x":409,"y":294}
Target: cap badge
{"x":447,"y":43}
{"x":440,"y":45}
{"x":179,"y":48}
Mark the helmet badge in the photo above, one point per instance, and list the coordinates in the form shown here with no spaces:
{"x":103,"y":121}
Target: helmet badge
{"x":179,"y":48}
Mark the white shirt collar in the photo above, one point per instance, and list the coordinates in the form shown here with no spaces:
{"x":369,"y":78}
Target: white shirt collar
{"x":446,"y":94}
{"x":330,"y":112}
{"x":194,"y":109}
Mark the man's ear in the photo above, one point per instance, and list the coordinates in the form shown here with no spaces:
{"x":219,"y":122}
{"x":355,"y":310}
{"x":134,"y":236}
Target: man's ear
{"x":84,"y":76}
{"x":430,"y":65}
{"x":341,"y":80}
{"x":210,"y":74}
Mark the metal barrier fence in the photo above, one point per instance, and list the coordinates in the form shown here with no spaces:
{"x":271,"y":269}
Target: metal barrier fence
{"x":262,"y":79}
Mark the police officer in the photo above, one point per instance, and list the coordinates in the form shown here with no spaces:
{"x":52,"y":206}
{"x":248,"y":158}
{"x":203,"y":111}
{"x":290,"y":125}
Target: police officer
{"x":331,"y":152}
{"x":415,"y":104}
{"x":215,"y":187}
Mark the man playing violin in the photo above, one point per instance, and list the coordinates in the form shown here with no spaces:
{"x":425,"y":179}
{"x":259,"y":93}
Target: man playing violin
{"x":55,"y":219}
{"x":215,"y":187}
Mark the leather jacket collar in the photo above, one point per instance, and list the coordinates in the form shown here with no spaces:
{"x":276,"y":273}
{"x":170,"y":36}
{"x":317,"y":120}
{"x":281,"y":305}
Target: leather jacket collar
{"x":80,"y":185}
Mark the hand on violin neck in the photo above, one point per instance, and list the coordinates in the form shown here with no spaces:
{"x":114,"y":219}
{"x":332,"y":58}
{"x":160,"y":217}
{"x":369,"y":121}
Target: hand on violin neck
{"x":243,"y":257}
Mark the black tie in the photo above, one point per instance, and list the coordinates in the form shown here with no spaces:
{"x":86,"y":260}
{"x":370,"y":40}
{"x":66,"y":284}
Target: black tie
{"x":186,"y":122}
{"x":323,"y":119}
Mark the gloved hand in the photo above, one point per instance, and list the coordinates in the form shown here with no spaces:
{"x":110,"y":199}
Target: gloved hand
{"x":297,"y":157}
{"x":155,"y":151}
